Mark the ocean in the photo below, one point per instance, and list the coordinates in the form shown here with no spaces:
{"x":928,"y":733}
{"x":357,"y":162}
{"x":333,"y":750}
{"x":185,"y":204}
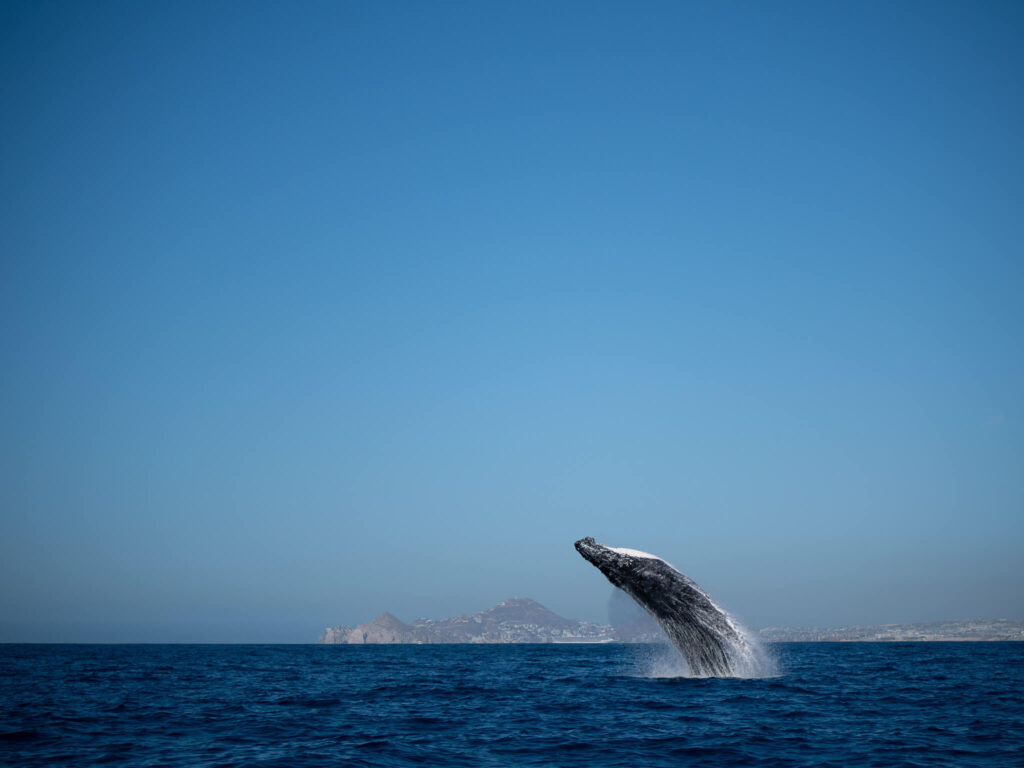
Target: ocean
{"x":843,"y":704}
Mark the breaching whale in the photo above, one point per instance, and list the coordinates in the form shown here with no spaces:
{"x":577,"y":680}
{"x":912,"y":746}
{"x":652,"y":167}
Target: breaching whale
{"x":709,"y":641}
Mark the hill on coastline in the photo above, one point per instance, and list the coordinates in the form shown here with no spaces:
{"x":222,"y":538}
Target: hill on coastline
{"x":518,"y":620}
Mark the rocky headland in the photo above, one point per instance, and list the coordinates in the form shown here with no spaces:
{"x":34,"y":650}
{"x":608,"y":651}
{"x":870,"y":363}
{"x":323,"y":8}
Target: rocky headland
{"x":518,"y":620}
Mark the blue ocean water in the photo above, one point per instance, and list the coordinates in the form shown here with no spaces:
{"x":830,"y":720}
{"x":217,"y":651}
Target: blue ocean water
{"x":914,"y":704}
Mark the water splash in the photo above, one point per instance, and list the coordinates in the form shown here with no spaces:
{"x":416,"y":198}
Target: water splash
{"x":661,"y":660}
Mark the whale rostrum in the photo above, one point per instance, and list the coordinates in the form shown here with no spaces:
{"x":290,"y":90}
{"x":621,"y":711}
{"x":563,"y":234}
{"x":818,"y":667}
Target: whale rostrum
{"x":709,"y":641}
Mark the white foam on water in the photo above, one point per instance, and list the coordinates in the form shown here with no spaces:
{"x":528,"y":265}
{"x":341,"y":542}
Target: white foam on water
{"x":755,"y":659}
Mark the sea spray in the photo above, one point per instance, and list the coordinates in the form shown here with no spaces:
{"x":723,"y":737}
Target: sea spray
{"x":660,"y":658}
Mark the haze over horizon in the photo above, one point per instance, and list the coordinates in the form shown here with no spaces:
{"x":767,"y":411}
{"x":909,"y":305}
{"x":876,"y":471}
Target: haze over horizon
{"x":311,"y":312}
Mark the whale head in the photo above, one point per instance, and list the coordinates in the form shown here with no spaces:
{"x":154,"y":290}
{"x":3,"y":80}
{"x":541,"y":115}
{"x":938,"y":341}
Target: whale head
{"x":590,"y":549}
{"x":620,"y":565}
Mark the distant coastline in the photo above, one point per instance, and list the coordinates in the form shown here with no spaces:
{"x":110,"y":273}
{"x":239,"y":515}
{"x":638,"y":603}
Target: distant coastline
{"x":522,"y":620}
{"x":971,"y":630}
{"x":517,"y":620}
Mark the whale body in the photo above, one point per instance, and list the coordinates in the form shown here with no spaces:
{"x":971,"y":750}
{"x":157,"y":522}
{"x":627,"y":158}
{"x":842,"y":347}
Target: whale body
{"x":709,"y":641}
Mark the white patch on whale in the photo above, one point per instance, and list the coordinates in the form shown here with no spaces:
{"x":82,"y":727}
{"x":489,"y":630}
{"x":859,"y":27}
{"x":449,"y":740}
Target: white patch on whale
{"x":635,"y":553}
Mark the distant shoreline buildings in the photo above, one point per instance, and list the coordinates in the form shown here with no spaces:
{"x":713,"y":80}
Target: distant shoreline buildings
{"x":518,"y":620}
{"x":522,"y":620}
{"x":973,"y":630}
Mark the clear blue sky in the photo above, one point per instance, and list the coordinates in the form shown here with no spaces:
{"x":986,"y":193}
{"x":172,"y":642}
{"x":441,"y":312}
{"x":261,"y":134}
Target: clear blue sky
{"x":309,"y":311}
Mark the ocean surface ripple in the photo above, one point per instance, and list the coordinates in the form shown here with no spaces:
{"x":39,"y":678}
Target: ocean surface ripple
{"x":853,"y":704}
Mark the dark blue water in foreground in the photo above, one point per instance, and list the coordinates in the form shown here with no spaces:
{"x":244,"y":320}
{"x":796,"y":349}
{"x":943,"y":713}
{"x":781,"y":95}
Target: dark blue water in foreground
{"x":927,"y":704}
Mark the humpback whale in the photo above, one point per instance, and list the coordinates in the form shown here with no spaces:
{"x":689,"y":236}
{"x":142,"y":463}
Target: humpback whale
{"x":711,"y":644}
